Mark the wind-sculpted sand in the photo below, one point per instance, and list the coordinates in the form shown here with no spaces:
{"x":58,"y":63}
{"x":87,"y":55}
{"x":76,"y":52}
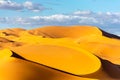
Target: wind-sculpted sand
{"x":59,"y":53}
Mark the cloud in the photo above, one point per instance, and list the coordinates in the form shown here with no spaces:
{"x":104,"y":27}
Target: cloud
{"x":82,"y":12}
{"x":10,"y":5}
{"x":36,"y":7}
{"x":7,"y":4}
{"x":109,"y":21}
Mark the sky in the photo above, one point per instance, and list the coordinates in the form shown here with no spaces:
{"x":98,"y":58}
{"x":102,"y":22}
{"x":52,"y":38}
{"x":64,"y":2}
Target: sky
{"x":29,"y":14}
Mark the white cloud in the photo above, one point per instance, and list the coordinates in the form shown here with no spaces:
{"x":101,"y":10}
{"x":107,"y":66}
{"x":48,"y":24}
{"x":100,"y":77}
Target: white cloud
{"x":10,"y":5}
{"x":100,"y":19}
{"x":33,"y":6}
{"x":109,"y":21}
{"x":82,"y":12}
{"x":7,"y":4}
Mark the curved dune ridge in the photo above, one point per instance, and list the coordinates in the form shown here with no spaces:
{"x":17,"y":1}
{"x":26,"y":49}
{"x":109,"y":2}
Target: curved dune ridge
{"x":59,"y":53}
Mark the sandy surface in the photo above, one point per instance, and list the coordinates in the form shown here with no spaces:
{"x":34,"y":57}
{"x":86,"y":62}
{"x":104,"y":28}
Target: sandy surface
{"x":59,"y":53}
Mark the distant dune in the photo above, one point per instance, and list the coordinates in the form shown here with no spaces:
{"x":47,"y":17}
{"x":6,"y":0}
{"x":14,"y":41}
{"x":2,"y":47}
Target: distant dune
{"x":59,"y":53}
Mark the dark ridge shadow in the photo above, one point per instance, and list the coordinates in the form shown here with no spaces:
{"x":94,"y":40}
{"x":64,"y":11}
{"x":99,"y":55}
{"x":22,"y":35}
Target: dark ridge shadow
{"x":104,"y":33}
{"x":9,"y":34}
{"x":47,"y":35}
{"x":17,"y":56}
{"x":111,"y":69}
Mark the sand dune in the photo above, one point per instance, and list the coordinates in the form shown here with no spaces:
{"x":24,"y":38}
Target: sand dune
{"x":70,"y":32}
{"x":59,"y":53}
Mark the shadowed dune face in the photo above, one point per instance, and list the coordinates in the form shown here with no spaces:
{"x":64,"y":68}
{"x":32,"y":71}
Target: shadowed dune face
{"x":4,"y":40}
{"x":109,"y":35}
{"x":6,"y":43}
{"x":59,"y":53}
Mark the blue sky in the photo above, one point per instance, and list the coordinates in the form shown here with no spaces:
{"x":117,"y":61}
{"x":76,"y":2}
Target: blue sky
{"x":35,"y":13}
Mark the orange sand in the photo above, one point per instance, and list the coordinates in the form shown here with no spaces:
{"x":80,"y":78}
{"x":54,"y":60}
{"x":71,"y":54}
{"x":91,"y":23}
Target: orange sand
{"x":58,"y":53}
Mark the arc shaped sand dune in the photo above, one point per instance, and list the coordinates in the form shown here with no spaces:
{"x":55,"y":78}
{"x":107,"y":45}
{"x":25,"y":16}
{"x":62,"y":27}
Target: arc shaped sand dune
{"x":59,"y":53}
{"x":72,"y":60}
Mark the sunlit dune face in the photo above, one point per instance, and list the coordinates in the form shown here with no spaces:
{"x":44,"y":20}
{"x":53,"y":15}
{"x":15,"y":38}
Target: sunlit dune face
{"x":58,"y":53}
{"x":109,"y":52}
{"x":78,"y":62}
{"x":71,"y":32}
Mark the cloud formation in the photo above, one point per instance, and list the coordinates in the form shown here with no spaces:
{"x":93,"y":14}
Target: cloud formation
{"x":10,"y":5}
{"x":108,"y":21}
